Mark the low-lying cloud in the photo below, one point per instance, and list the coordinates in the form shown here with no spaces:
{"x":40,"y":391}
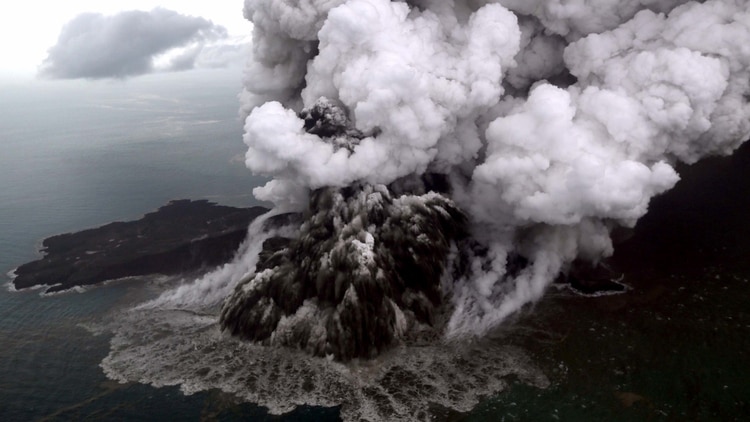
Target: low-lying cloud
{"x":96,"y":46}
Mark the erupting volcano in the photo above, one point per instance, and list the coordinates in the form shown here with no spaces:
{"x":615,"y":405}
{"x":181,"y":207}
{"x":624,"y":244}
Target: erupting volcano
{"x":436,"y":165}
{"x":546,"y":125}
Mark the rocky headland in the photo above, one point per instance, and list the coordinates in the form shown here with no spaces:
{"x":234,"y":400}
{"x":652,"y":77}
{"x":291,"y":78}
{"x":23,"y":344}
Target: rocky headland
{"x":181,"y":236}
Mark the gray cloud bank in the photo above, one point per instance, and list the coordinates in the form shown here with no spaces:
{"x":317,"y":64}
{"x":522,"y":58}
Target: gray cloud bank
{"x":126,"y":44}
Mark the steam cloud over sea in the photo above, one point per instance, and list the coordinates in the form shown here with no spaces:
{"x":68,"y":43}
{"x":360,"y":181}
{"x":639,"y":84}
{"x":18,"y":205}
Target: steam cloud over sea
{"x":446,"y":161}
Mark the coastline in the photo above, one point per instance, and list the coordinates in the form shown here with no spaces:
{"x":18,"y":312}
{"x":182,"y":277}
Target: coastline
{"x":183,"y":235}
{"x":11,"y":275}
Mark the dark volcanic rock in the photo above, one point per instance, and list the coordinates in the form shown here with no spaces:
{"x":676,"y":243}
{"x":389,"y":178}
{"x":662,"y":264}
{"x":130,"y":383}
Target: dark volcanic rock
{"x":181,"y":236}
{"x":364,"y":269}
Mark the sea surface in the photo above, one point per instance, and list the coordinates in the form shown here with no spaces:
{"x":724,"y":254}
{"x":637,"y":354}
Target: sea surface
{"x":74,"y":155}
{"x":79,"y":154}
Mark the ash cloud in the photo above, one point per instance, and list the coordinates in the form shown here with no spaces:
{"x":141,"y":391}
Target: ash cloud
{"x":552,"y":122}
{"x":96,"y":46}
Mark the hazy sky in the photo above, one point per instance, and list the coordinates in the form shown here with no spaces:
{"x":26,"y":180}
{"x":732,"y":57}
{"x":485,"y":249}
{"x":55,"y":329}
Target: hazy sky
{"x":29,"y":28}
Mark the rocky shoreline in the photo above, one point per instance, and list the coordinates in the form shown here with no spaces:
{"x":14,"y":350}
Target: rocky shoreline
{"x":183,"y":235}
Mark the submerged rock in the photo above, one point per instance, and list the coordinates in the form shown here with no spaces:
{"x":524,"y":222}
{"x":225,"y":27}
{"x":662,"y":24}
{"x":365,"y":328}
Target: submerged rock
{"x":181,"y":236}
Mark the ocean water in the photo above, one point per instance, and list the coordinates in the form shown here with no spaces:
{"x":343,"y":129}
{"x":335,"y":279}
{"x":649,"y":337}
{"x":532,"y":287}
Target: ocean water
{"x":75,"y":155}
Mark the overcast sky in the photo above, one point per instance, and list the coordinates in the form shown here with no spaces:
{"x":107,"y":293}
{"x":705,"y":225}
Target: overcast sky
{"x":29,"y":29}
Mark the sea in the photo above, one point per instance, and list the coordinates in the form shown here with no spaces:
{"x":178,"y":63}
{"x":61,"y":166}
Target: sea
{"x":79,"y":154}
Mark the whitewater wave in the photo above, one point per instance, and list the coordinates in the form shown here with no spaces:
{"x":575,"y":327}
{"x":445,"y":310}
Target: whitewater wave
{"x":156,"y":280}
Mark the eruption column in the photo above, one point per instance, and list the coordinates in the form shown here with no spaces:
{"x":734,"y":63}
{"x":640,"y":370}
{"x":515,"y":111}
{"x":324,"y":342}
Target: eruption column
{"x":548,"y":122}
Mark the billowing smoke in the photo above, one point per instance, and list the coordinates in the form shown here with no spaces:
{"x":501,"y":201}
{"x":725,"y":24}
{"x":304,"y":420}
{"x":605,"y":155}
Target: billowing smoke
{"x":547,"y":122}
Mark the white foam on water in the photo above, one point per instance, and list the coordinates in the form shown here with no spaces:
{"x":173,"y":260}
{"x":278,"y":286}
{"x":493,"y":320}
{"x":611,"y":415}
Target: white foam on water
{"x":83,"y":289}
{"x":625,"y":288}
{"x":73,"y":289}
{"x":543,"y":170}
{"x":163,"y":347}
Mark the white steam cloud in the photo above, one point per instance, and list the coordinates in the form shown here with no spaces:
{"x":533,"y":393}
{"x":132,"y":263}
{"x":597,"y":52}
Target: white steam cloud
{"x":555,"y":120}
{"x":132,"y":43}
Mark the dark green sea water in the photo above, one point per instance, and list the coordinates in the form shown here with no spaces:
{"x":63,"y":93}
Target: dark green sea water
{"x":76,"y":155}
